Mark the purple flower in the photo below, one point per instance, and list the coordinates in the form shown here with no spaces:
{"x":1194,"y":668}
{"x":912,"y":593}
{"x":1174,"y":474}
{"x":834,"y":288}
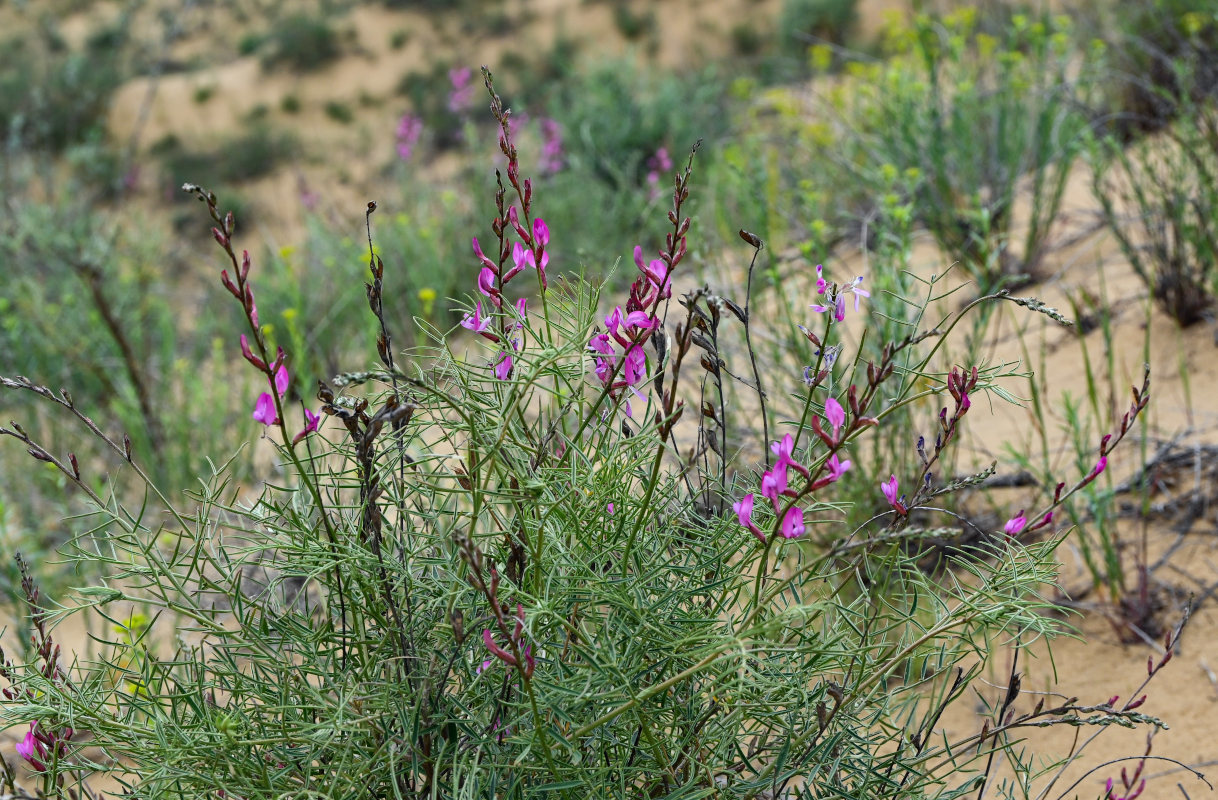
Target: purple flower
{"x":890,"y":488}
{"x":835,"y":415}
{"x":264,"y":407}
{"x":774,"y":483}
{"x":282,"y":380}
{"x":486,"y":285}
{"x":744,"y":513}
{"x":657,"y":275}
{"x":410,"y":128}
{"x":503,"y":367}
{"x":552,"y":156}
{"x":782,"y":450}
{"x":635,"y":368}
{"x":855,"y":287}
{"x":264,"y":410}
{"x":793,"y":523}
{"x":1099,"y":467}
{"x":462,"y":95}
{"x":836,"y":468}
{"x":312,"y":422}
{"x":1016,"y":524}
{"x":33,"y":750}
{"x":479,"y":324}
{"x":837,"y":297}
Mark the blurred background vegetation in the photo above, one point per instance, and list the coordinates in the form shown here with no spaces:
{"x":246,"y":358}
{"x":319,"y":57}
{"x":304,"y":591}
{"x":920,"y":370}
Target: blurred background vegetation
{"x":828,"y":126}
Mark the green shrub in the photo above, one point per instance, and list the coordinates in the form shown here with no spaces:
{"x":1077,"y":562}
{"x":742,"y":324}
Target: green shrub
{"x":1162,"y":61}
{"x":960,"y":122}
{"x":339,"y":112}
{"x":250,"y":43}
{"x":802,"y":22}
{"x":746,"y":41}
{"x":1160,"y":199}
{"x":302,"y":43}
{"x":52,"y":100}
{"x":496,"y":572}
{"x":632,"y":25}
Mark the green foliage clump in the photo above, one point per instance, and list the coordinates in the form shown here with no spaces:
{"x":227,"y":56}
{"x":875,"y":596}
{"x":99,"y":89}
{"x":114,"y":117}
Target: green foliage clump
{"x":51,"y":98}
{"x":1163,"y":60}
{"x":803,"y":22}
{"x":302,"y":43}
{"x":1159,"y":196}
{"x":339,"y":112}
{"x":958,"y":122}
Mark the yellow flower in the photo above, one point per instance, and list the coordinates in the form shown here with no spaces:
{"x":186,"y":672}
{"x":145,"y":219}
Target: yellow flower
{"x":290,"y":314}
{"x":821,"y":56}
{"x":427,"y":296}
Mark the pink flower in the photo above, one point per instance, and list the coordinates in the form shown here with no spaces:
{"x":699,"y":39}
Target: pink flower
{"x":890,"y":488}
{"x":1099,"y":467}
{"x":774,"y":483}
{"x":462,"y":95}
{"x":635,"y":367}
{"x":33,"y":750}
{"x":822,"y":285}
{"x":855,"y":287}
{"x":478,"y":323}
{"x":793,"y":523}
{"x":836,"y":468}
{"x":282,"y":380}
{"x":481,"y":256}
{"x":744,"y":513}
{"x":410,"y":128}
{"x":486,"y":285}
{"x":552,"y":157}
{"x":1016,"y":524}
{"x":264,"y":410}
{"x":784,"y":452}
{"x":835,"y":415}
{"x":312,"y":422}
{"x":264,"y":407}
{"x":503,"y":367}
{"x":783,"y":449}
{"x":657,"y":275}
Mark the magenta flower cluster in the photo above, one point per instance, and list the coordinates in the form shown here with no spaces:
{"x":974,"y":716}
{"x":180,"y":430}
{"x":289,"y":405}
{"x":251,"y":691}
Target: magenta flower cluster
{"x":658,"y":163}
{"x":835,"y":300}
{"x":39,"y":746}
{"x":265,"y":407}
{"x":553,"y":157}
{"x":461,"y":98}
{"x":620,"y":362}
{"x":775,"y":482}
{"x":528,"y":252}
{"x":410,"y":129}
